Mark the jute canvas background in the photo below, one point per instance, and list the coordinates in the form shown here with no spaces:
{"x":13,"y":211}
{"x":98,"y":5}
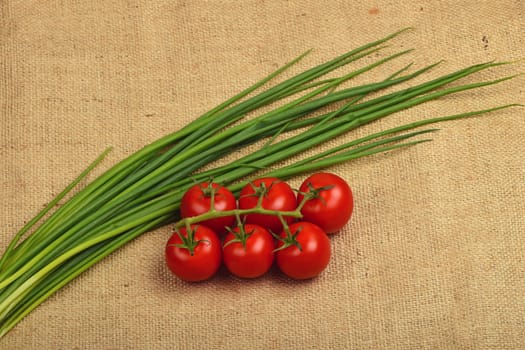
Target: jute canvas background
{"x":433,"y":257}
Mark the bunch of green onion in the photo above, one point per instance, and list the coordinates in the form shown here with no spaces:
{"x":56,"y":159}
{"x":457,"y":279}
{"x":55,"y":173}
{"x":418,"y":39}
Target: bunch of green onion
{"x":143,"y":192}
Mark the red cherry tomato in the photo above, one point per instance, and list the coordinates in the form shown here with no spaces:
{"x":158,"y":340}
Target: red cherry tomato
{"x":332,"y":203}
{"x":200,"y":260}
{"x":276,"y":195}
{"x":253,"y":258}
{"x":308,"y":251}
{"x":197,"y":201}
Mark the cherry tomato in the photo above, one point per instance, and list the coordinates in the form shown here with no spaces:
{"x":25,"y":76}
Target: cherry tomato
{"x":276,"y":195}
{"x":200,"y":259}
{"x":197,"y":201}
{"x":250,"y":259}
{"x":332,"y":203}
{"x":307,"y":251}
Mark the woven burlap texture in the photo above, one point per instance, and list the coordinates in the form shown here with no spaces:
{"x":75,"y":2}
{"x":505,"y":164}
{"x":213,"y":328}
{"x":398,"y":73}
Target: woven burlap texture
{"x":433,"y":256}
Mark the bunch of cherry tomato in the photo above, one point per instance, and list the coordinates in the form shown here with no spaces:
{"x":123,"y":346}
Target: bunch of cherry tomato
{"x":252,"y":233}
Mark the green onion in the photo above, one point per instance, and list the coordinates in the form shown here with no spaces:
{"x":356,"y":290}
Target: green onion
{"x":143,"y":192}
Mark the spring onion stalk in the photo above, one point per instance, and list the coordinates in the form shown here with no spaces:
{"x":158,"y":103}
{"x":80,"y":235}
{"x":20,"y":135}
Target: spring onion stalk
{"x":280,"y":121}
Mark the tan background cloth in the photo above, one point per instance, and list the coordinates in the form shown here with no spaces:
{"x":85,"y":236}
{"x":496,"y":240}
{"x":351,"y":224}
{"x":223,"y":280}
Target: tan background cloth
{"x":434,"y":255}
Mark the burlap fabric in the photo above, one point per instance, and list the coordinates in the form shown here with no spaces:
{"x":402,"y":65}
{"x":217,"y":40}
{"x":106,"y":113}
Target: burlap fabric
{"x":433,"y":256}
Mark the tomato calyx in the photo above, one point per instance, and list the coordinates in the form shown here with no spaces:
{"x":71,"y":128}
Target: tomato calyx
{"x":289,"y":239}
{"x":260,"y":191}
{"x":314,"y":193}
{"x":188,"y":241}
{"x":208,"y":190}
{"x":240,"y":235}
